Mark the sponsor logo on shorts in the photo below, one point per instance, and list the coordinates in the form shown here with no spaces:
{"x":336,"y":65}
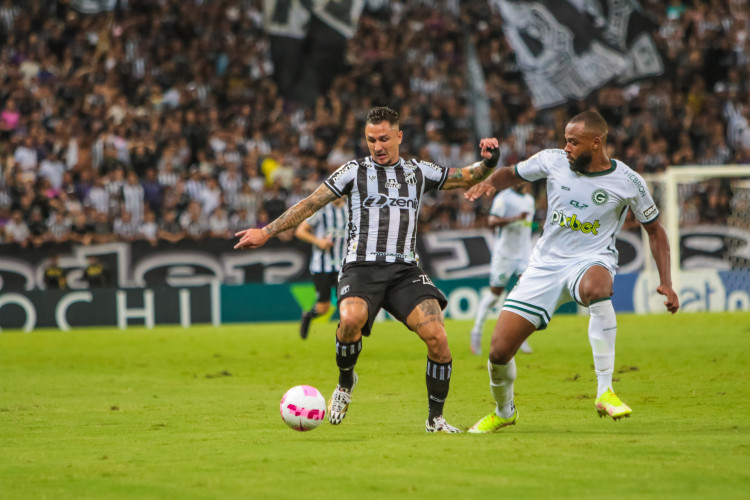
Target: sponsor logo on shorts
{"x":426,"y":280}
{"x":572,"y":223}
{"x":600,"y":197}
{"x":344,"y":289}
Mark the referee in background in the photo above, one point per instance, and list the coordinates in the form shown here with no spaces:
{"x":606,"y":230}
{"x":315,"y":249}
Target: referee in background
{"x":326,"y":230}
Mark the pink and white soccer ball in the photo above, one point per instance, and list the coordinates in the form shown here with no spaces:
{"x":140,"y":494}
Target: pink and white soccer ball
{"x":303,"y":408}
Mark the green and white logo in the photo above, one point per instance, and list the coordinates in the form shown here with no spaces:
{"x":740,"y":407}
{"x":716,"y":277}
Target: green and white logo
{"x":578,"y":204}
{"x":600,"y":197}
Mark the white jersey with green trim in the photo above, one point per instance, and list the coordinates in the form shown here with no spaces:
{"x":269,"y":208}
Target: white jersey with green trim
{"x":584,"y":211}
{"x":513,"y":241}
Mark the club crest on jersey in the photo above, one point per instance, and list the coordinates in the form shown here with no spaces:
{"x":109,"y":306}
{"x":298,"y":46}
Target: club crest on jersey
{"x":572,"y":223}
{"x":411,"y":179}
{"x":391,"y":183}
{"x":600,"y":197}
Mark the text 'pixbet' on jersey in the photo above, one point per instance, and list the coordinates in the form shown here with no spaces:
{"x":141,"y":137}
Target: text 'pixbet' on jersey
{"x":572,"y":222}
{"x":381,"y":200}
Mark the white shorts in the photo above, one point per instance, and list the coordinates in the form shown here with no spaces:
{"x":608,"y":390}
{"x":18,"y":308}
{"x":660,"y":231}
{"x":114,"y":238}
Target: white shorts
{"x":502,"y":270}
{"x":541,"y":290}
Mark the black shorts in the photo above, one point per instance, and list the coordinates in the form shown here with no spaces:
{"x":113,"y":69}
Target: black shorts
{"x":324,"y":282}
{"x":398,"y":288}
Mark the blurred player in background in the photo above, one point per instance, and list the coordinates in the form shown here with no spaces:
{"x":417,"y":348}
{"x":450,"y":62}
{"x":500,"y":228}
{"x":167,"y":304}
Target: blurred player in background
{"x":588,"y":195}
{"x":54,"y":274}
{"x":511,"y":215}
{"x":380,"y":269}
{"x":326,"y":231}
{"x":96,"y":273}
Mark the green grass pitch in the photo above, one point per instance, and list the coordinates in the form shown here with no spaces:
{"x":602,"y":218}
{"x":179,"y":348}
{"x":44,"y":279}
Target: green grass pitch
{"x":193,"y":414}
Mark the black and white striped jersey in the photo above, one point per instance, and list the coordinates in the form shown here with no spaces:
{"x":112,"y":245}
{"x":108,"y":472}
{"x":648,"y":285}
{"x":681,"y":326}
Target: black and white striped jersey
{"x":329,"y":222}
{"x":384,"y":205}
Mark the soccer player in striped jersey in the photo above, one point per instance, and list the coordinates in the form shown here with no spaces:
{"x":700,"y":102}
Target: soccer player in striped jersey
{"x":326,"y":231}
{"x":380,"y":270}
{"x":588,"y":195}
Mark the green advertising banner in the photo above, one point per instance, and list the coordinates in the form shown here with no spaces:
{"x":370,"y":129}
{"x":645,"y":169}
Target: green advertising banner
{"x":286,"y":302}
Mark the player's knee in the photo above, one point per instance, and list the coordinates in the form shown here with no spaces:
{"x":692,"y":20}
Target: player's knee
{"x":595,"y":285}
{"x":352,"y":318}
{"x":596,"y":292}
{"x":353,"y":315}
{"x":500,"y":351}
{"x":499,"y":356}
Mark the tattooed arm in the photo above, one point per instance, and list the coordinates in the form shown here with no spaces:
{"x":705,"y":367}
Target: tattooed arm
{"x":470,"y":175}
{"x":254,"y":238}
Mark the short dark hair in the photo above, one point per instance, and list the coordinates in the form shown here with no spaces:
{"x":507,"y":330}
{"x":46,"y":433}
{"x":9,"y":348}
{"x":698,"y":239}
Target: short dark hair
{"x":592,"y":122}
{"x":382,"y":114}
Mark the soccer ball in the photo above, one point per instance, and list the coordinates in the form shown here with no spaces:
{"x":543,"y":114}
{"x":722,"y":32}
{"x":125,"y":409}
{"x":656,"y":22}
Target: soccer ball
{"x":303,"y":408}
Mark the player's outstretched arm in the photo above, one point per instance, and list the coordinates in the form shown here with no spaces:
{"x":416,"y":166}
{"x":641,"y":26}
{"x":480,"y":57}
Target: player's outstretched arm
{"x":472,"y":174}
{"x":502,"y":178}
{"x":254,"y":238}
{"x":657,"y":240}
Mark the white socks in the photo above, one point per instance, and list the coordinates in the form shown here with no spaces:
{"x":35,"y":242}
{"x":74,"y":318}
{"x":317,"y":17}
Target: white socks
{"x":602,"y":334}
{"x":487,"y":302}
{"x":501,"y":386}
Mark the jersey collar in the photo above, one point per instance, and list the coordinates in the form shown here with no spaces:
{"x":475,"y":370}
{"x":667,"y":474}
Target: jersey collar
{"x":376,"y":164}
{"x":611,"y":169}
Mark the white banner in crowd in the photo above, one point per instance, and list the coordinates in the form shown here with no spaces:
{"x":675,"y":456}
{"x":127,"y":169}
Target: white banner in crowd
{"x":291,"y":17}
{"x":568,"y":48}
{"x":96,"y":6}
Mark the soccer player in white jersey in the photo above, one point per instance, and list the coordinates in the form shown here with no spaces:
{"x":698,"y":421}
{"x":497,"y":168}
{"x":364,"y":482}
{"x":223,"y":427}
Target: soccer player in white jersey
{"x":588,"y":195}
{"x":511,"y":215}
{"x":384,"y":193}
{"x":326,"y":232}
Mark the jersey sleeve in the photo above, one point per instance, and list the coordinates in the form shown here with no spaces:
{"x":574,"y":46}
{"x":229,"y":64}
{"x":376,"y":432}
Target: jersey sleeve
{"x":343,"y":178}
{"x":434,"y":175}
{"x":499,"y":207}
{"x":538,"y":166}
{"x":641,"y":203}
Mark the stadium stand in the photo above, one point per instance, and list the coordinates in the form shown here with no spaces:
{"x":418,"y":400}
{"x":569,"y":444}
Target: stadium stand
{"x":165,"y":119}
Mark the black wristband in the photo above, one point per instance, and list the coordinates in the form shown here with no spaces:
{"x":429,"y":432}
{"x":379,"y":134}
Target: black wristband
{"x":491,"y":162}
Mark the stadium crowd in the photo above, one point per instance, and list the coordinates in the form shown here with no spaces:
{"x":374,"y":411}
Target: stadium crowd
{"x":163,"y":120}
